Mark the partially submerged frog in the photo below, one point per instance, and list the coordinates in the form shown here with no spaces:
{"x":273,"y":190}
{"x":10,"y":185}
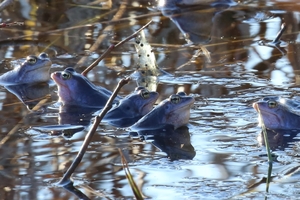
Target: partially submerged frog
{"x":174,"y":111}
{"x":279,"y":113}
{"x":132,"y":108}
{"x":76,"y":89}
{"x":33,"y":70}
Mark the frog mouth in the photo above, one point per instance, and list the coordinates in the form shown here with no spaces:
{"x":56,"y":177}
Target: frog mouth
{"x":66,"y":94}
{"x":255,"y":106}
{"x":56,"y":77}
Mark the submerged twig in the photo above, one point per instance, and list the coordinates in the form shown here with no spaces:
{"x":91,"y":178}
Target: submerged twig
{"x":95,"y":63}
{"x":66,"y":178}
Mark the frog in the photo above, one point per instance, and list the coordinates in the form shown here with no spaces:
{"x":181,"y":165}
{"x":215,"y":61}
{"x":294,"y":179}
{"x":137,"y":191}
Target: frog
{"x":76,"y":89}
{"x":132,"y":107}
{"x":34,"y":69}
{"x":174,"y":110}
{"x":278,"y":112}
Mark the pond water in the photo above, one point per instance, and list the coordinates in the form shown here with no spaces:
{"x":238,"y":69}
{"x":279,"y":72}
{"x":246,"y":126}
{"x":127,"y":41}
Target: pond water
{"x":217,"y":156}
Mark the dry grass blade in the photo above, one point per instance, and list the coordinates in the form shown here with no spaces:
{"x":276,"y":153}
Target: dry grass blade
{"x":138,"y":195}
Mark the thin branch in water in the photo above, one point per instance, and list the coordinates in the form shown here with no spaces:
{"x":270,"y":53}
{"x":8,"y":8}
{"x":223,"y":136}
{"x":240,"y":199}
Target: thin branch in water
{"x":66,"y":178}
{"x":95,"y":63}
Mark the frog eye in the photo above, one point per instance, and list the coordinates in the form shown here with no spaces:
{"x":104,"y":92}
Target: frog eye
{"x":66,"y":75}
{"x":181,"y":94}
{"x":145,"y":94}
{"x":272,"y":104}
{"x":175,"y":99}
{"x":44,"y":55}
{"x":139,"y":88}
{"x":31,"y":59}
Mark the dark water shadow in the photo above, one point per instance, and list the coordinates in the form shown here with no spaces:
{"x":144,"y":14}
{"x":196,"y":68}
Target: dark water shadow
{"x":70,"y":188}
{"x":71,"y":120}
{"x":175,"y":143}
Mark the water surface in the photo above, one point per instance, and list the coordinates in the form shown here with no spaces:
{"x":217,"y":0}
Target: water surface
{"x":223,"y":159}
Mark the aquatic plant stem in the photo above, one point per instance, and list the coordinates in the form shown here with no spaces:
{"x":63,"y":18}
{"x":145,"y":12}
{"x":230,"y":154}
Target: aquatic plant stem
{"x":135,"y":189}
{"x":66,"y":178}
{"x":279,"y":34}
{"x":270,"y":160}
{"x":95,"y":63}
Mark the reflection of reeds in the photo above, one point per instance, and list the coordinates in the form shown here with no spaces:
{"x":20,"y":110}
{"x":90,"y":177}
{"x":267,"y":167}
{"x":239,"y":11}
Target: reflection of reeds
{"x":20,"y":123}
{"x":137,"y":193}
{"x":270,"y":160}
{"x":95,"y":63}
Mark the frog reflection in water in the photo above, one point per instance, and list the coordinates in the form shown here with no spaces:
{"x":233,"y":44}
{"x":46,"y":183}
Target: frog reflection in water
{"x":279,"y":113}
{"x":33,"y":70}
{"x":132,"y":108}
{"x":76,"y":89}
{"x":174,"y":111}
{"x":175,"y":143}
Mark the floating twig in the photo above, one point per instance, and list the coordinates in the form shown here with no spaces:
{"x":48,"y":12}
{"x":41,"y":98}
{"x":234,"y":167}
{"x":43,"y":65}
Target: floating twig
{"x":66,"y":178}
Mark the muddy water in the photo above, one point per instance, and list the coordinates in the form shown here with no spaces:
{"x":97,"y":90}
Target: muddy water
{"x":217,"y":156}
